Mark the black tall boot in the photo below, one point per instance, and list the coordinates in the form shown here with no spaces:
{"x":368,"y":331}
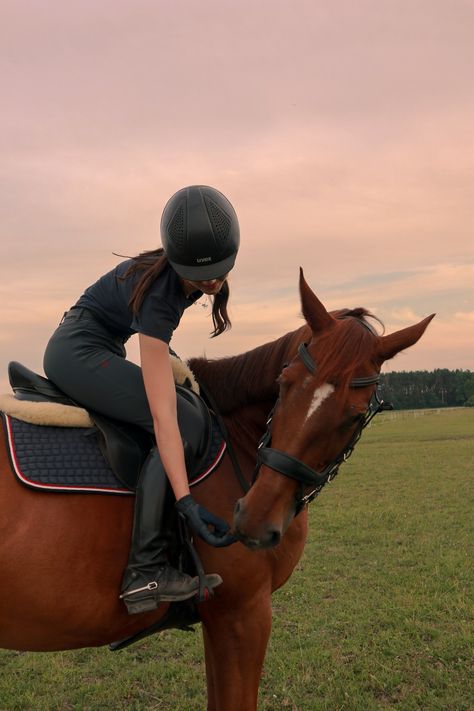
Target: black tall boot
{"x":148,"y":578}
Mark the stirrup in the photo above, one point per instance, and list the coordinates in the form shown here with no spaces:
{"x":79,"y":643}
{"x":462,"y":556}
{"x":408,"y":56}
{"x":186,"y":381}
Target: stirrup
{"x":149,"y":596}
{"x":204,"y":591}
{"x":146,"y":598}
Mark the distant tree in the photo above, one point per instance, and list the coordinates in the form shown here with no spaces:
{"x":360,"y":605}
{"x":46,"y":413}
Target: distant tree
{"x":422,"y":388}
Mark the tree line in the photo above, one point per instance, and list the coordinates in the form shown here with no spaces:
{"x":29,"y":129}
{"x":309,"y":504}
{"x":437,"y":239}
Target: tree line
{"x":422,"y":388}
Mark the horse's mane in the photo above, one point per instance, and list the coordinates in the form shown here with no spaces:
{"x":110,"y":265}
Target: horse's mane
{"x":250,"y":377}
{"x":246,"y":378}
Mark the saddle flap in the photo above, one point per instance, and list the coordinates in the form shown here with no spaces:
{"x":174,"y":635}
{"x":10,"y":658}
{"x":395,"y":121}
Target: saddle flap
{"x":124,"y":446}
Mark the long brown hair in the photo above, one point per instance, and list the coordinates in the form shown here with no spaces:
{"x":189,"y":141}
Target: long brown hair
{"x":149,"y":265}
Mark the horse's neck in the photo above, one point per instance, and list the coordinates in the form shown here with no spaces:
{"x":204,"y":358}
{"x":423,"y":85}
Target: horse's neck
{"x":247,"y":425}
{"x":244,"y":390}
{"x":247,"y":379}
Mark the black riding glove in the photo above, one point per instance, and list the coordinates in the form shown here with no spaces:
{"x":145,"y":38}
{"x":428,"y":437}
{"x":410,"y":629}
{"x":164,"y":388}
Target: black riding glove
{"x":198,"y":519}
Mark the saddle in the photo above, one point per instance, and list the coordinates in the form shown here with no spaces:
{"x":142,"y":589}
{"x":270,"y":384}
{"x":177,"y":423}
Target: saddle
{"x":124,"y":446}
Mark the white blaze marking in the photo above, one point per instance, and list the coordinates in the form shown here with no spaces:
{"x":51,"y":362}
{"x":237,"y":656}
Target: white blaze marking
{"x":320,"y":394}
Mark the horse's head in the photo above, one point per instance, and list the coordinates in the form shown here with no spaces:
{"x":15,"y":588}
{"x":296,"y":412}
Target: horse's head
{"x":327,"y":395}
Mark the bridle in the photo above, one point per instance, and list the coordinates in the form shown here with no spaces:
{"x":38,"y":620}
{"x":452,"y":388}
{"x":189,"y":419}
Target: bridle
{"x":293,"y":468}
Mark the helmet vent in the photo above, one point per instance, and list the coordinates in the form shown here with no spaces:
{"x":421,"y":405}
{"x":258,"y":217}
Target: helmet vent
{"x":220,"y":221}
{"x":176,"y":227}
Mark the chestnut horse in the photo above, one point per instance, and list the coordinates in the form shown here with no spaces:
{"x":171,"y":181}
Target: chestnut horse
{"x":62,"y":556}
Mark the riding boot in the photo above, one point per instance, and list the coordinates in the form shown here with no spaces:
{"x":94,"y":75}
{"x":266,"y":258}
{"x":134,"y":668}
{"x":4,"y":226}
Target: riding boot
{"x":148,"y":578}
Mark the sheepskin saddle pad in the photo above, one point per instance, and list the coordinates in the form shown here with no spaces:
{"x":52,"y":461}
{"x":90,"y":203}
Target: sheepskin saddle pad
{"x":71,"y":459}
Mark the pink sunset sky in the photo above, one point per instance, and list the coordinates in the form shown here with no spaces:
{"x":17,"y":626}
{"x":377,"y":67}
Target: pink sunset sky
{"x":342,"y":133}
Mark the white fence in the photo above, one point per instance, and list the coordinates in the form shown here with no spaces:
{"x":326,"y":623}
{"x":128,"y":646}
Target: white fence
{"x":390,"y":415}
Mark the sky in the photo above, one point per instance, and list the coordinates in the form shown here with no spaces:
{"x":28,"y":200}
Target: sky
{"x":341,"y":132}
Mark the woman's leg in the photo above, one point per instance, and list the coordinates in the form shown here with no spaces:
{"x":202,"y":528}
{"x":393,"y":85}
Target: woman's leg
{"x":148,"y":578}
{"x":88,"y":364}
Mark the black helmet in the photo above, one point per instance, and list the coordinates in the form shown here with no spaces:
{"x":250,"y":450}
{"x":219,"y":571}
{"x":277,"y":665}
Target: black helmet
{"x":200,"y":233}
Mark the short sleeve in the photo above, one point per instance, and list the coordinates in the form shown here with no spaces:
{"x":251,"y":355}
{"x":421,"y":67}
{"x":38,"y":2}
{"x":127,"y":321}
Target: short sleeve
{"x":157,"y":318}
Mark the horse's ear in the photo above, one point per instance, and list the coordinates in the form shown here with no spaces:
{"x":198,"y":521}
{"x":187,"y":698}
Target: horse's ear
{"x":313,"y":310}
{"x":392,"y":344}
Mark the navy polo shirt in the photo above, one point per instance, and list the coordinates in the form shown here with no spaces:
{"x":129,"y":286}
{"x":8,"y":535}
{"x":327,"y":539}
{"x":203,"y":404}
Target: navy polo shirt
{"x":159,"y":314}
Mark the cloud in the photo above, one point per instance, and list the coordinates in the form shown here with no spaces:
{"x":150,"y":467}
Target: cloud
{"x":441,"y":287}
{"x":405,"y":315}
{"x":338,"y":132}
{"x":464,"y":316}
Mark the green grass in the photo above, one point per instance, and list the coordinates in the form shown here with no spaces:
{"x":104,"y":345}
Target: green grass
{"x":378,"y":614}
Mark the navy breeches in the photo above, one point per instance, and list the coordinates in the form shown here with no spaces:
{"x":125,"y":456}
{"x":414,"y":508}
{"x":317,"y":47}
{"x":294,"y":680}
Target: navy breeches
{"x":88,"y":363}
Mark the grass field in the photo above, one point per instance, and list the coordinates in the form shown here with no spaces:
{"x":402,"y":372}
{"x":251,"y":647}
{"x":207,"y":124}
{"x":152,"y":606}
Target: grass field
{"x":378,"y":614}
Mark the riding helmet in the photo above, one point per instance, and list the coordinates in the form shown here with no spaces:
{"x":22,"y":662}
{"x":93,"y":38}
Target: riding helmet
{"x":200,"y":233}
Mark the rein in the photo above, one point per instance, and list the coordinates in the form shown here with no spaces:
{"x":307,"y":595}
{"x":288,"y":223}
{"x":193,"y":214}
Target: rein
{"x":230,"y":448}
{"x":293,"y":468}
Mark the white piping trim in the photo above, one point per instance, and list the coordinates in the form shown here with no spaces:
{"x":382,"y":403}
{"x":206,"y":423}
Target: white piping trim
{"x":90,"y":489}
{"x":211,"y":468}
{"x":54,"y":487}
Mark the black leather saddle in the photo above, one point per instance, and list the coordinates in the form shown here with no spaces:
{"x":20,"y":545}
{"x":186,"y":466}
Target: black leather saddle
{"x":124,"y":446}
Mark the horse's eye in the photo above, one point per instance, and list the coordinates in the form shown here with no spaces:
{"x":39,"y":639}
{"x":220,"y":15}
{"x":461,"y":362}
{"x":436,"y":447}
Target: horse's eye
{"x":283,"y":382}
{"x":354,"y":418}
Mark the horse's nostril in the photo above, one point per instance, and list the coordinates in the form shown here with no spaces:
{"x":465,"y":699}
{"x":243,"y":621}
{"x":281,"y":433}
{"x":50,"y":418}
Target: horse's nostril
{"x":238,"y":507}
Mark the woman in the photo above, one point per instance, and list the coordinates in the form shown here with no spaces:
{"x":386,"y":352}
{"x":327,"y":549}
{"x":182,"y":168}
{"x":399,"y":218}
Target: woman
{"x":86,"y":359}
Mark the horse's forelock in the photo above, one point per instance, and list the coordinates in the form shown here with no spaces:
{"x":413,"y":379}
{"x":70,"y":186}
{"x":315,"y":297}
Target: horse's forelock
{"x":363,"y":315}
{"x":347,"y":349}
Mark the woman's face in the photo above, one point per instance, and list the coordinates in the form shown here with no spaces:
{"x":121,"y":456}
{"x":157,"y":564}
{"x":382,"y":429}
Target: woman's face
{"x":208,"y":286}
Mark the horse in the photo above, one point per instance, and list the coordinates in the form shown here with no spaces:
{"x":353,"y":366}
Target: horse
{"x":62,"y":555}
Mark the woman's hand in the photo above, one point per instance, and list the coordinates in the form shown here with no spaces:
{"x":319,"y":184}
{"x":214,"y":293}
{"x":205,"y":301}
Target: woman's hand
{"x":198,"y":518}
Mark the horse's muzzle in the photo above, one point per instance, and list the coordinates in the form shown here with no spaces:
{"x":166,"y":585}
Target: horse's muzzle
{"x":254,"y":536}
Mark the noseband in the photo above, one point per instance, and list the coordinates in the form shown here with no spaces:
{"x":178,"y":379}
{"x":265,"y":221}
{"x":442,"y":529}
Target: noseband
{"x":295,"y":469}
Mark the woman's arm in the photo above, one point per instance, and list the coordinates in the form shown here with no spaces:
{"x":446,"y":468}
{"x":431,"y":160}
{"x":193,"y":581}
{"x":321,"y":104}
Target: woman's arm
{"x":161,"y":393}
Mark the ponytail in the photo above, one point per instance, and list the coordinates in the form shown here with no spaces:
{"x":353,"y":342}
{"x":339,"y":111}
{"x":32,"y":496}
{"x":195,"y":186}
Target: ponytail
{"x":220,"y":317}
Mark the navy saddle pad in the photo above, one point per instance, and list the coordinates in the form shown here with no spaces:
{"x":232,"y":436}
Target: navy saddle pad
{"x":69,"y":459}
